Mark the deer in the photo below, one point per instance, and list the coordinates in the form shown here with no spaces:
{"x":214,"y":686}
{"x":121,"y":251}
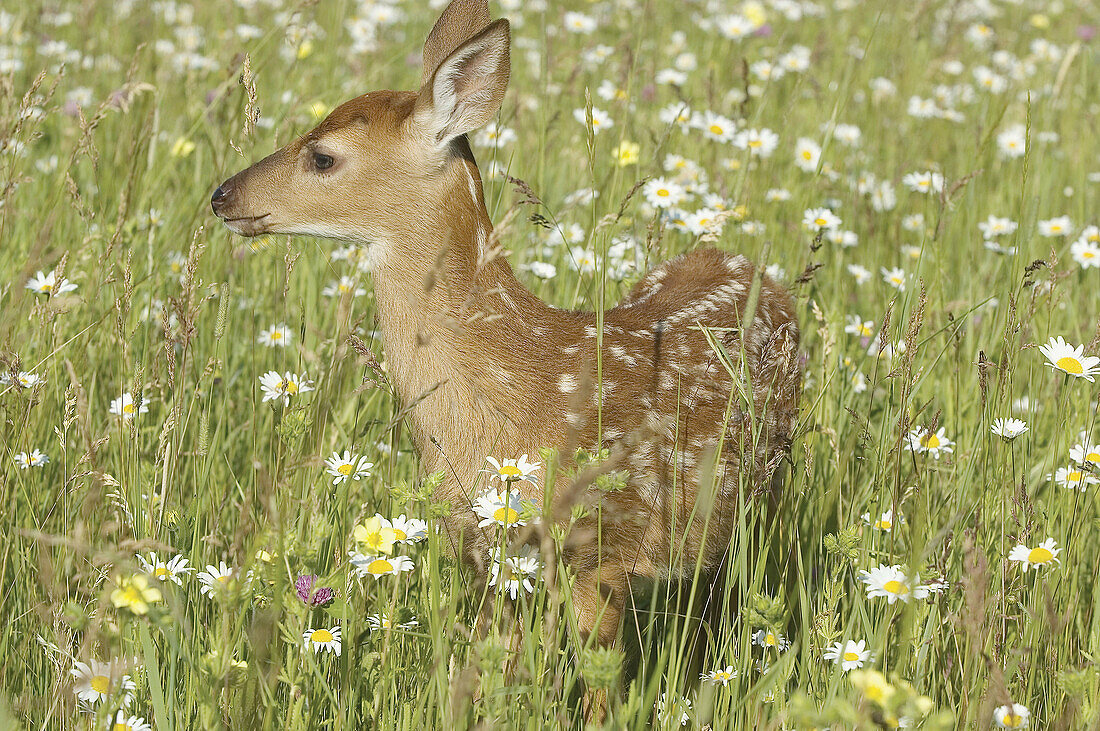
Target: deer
{"x":691,"y":383}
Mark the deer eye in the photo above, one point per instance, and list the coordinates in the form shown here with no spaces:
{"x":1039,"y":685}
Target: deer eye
{"x":322,"y":161}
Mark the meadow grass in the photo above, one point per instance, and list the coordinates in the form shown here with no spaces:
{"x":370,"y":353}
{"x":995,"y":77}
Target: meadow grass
{"x":119,"y":119}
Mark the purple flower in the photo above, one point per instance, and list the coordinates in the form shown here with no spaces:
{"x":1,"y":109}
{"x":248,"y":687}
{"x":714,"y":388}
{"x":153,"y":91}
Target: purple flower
{"x":1086,"y":32}
{"x":311,"y":595}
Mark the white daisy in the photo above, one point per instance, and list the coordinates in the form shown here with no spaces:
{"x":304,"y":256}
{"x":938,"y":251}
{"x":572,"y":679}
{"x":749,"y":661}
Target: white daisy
{"x":33,"y":459}
{"x":23,"y":379}
{"x":820,"y":219}
{"x":721,"y":676}
{"x":1083,"y":454}
{"x":922,"y":441}
{"x":662,"y":193}
{"x":275,"y":386}
{"x":125,"y":722}
{"x":172,"y":570}
{"x":850,"y":655}
{"x":345,"y":285}
{"x":409,"y":530}
{"x":47,"y":284}
{"x":893,"y":583}
{"x":347,"y":466}
{"x":499,"y":508}
{"x":378,"y":566}
{"x":276,"y":336}
{"x":384,"y":621}
{"x":513,"y":470}
{"x":323,"y":639}
{"x":766,"y":638}
{"x":1074,"y":478}
{"x":1008,"y":428}
{"x":759,"y":142}
{"x":96,"y":681}
{"x":126,"y":407}
{"x":858,"y":326}
{"x":1068,"y":359}
{"x":1012,"y":716}
{"x":1044,"y":554}
{"x":895,"y":277}
{"x":1057,"y":226}
{"x":516,"y":571}
{"x":222,"y":579}
{"x":885,"y":522}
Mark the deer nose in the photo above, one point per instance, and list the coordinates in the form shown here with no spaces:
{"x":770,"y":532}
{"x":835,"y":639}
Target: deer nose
{"x":219,"y":197}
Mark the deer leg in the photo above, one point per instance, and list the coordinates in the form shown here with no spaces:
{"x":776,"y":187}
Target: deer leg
{"x":599,"y":597}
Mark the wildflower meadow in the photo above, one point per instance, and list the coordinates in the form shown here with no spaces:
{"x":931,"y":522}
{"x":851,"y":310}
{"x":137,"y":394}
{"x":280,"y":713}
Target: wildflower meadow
{"x":211,"y":512}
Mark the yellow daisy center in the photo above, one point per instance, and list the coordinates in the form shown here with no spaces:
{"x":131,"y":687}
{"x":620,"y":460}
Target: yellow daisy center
{"x":896,"y":587}
{"x":122,"y":727}
{"x":321,"y":635}
{"x":129,"y":409}
{"x":344,"y":288}
{"x":1093,"y":457}
{"x":380,"y":566}
{"x":1012,"y":720}
{"x":1056,"y":228}
{"x":47,"y":287}
{"x":505,"y":515}
{"x":931,"y":441}
{"x":756,"y":143}
{"x":1040,"y":555}
{"x":864,"y":331}
{"x":807,"y":155}
{"x":160,"y":572}
{"x":663,"y":192}
{"x":276,"y":335}
{"x":884,"y":525}
{"x":289,"y":387}
{"x":344,"y":469}
{"x":100,"y":684}
{"x":224,"y":579}
{"x":510,"y":470}
{"x":850,"y":657}
{"x":723,"y":675}
{"x":769,"y":639}
{"x":716,"y":129}
{"x":399,"y":534}
{"x":1069,"y":364}
{"x":820,"y":221}
{"x":1088,"y":255}
{"x":1073,"y":476}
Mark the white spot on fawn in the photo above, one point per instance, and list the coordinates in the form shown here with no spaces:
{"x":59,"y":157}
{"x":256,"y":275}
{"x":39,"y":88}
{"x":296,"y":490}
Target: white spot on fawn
{"x":567,"y":383}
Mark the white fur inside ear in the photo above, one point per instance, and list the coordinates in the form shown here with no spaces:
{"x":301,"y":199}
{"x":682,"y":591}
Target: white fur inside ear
{"x":467,"y":88}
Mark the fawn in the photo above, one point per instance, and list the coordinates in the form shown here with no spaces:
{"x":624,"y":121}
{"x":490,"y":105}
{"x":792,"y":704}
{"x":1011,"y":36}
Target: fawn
{"x":699,"y":379}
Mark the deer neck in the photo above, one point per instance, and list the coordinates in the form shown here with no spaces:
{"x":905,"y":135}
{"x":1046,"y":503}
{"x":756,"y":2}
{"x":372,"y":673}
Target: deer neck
{"x":455,"y":321}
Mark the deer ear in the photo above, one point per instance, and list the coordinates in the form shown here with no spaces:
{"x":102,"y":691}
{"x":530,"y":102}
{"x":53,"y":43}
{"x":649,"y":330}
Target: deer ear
{"x":460,"y":20}
{"x":467,"y":88}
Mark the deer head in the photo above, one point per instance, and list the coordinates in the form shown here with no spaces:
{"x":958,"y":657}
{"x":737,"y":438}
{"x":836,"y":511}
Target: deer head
{"x":387,"y":163}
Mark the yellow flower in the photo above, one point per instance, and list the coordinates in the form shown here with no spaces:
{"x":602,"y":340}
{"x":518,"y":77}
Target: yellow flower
{"x":318,"y":110}
{"x":1038,"y":20}
{"x":182,"y":147}
{"x":135,"y":593}
{"x":627,"y":153}
{"x":305,"y":50}
{"x":376,"y":535}
{"x":873,"y":685}
{"x":755,"y":13}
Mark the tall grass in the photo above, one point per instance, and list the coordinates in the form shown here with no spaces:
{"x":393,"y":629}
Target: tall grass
{"x":111,"y":192}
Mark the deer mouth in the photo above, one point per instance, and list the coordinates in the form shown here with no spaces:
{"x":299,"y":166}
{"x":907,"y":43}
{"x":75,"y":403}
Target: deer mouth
{"x":247,"y":225}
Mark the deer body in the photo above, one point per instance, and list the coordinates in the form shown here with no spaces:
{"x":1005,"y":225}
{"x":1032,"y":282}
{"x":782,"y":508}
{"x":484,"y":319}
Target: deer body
{"x":491,"y":370}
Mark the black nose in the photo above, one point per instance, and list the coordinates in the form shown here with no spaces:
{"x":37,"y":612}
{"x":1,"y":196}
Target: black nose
{"x":219,"y":197}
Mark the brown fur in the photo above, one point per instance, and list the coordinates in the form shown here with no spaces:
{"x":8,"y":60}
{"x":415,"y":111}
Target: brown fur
{"x":496,"y":371}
